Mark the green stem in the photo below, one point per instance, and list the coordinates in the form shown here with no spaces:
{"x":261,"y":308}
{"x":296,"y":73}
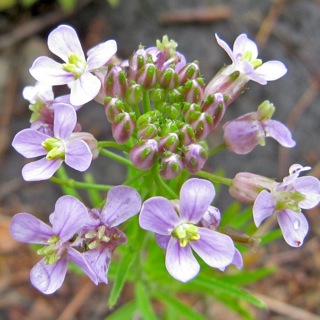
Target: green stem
{"x":162,"y":185}
{"x":136,"y":110}
{"x":214,"y":178}
{"x":129,"y":182}
{"x":67,"y":189}
{"x":217,"y":149}
{"x":116,"y":157}
{"x":113,"y":144}
{"x":146,"y":101}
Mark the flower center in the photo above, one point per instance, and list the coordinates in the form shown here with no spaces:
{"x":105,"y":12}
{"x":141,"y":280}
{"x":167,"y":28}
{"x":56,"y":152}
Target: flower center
{"x":75,"y":65}
{"x":97,"y":237}
{"x":186,"y":232}
{"x":289,"y":200}
{"x":55,"y":148}
{"x":247,"y":55}
{"x":52,"y":253}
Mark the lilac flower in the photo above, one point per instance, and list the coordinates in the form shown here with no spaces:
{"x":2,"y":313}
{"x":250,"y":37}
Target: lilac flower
{"x":64,"y":146}
{"x":244,"y":56}
{"x":286,"y":200}
{"x":241,"y":135}
{"x":101,"y":233}
{"x":58,"y":241}
{"x":77,"y":72}
{"x":177,"y":230}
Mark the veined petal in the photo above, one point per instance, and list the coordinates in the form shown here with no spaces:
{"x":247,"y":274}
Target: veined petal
{"x":180,"y":262}
{"x":158,"y":215}
{"x":279,"y":132}
{"x":162,"y":240}
{"x":101,"y":54}
{"x":242,"y":45}
{"x":78,"y":155}
{"x":49,"y":278}
{"x":294,"y":227}
{"x":81,"y":260}
{"x":42,"y":169}
{"x":64,"y":40}
{"x":272,"y":70}
{"x":84,"y":89}
{"x":28,"y":143}
{"x":310,"y":188}
{"x":122,"y":203}
{"x":214,"y":248}
{"x":196,"y":196}
{"x":226,"y":48}
{"x":263,"y":207}
{"x":50,"y":72}
{"x":27,"y":228}
{"x":69,"y":216}
{"x":65,"y":119}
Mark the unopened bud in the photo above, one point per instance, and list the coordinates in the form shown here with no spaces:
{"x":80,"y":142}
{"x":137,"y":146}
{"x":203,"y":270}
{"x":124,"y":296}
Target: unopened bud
{"x":186,"y":135}
{"x":169,"y":142}
{"x":112,"y":107}
{"x":115,"y":82}
{"x":134,"y":94}
{"x":147,"y":132}
{"x":168,"y":78}
{"x":147,"y":76}
{"x":137,"y":60}
{"x":195,"y":157}
{"x":215,"y":106}
{"x":171,"y":166}
{"x":193,"y":90}
{"x":202,"y":126}
{"x":190,"y":71}
{"x":122,"y":127}
{"x":144,"y":155}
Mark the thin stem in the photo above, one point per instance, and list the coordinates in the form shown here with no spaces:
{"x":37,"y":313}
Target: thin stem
{"x":67,"y":189}
{"x":162,"y":185}
{"x":129,"y":182}
{"x":113,"y":144}
{"x":116,"y":157}
{"x":146,"y":101}
{"x":214,"y":178}
{"x":217,"y":149}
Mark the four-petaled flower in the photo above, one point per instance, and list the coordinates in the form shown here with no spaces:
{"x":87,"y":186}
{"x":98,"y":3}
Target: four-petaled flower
{"x":77,"y":72}
{"x":179,"y":232}
{"x":286,"y":200}
{"x":63,"y":146}
{"x":58,"y":241}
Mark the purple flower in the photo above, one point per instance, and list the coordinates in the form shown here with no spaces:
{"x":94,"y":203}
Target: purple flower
{"x":176,"y":227}
{"x":77,"y":72}
{"x":241,"y":135}
{"x":101,"y":233}
{"x":286,"y":200}
{"x":62,"y":147}
{"x":244,"y":56}
{"x":58,"y":241}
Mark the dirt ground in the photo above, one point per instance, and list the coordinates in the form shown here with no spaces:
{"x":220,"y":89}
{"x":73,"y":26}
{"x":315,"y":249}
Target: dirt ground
{"x":285,"y":30}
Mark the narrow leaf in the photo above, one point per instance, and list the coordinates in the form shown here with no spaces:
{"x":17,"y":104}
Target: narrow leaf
{"x":127,"y":311}
{"x":143,"y":302}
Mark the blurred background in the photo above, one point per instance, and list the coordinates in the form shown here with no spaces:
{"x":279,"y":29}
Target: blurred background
{"x":285,"y":30}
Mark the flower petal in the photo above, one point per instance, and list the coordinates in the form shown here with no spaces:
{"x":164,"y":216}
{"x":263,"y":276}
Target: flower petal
{"x":226,"y":48}
{"x":263,"y":207}
{"x":49,"y":278}
{"x":158,"y":215}
{"x":101,"y":54}
{"x":279,"y":132}
{"x":242,"y":45}
{"x":272,"y":70}
{"x":196,"y":196}
{"x":180,"y":262}
{"x":310,"y":188}
{"x":84,"y":89}
{"x":69,"y":216}
{"x":65,"y":119}
{"x":294,"y":227}
{"x":78,"y":155}
{"x":50,"y":72}
{"x":64,"y":40}
{"x":162,"y":240}
{"x":122,"y":203}
{"x":42,"y":169}
{"x":214,"y":248}
{"x":26,"y":228}
{"x":28,"y":143}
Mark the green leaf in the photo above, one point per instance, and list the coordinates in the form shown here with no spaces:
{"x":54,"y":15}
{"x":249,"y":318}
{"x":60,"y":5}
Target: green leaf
{"x":127,"y":311}
{"x":143,"y":302}
{"x":120,"y":277}
{"x":184,"y":310}
{"x":67,"y":5}
{"x":94,"y":195}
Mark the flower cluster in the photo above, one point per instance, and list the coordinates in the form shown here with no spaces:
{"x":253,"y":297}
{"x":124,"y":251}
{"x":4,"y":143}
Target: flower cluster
{"x":161,"y":112}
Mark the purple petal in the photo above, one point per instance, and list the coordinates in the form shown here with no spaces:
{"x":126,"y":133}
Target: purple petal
{"x":28,"y":143}
{"x":196,"y":196}
{"x":64,"y":40}
{"x":101,"y":54}
{"x":39,"y":90}
{"x":294,"y":227}
{"x":65,"y":119}
{"x":226,"y":48}
{"x":242,"y":44}
{"x":42,"y":169}
{"x":78,"y":155}
{"x":180,"y":262}
{"x":279,"y":132}
{"x":162,"y":240}
{"x":263,"y":207}
{"x":50,"y":72}
{"x":237,"y":259}
{"x":84,"y":89}
{"x":214,"y":248}
{"x":272,"y":70}
{"x":310,"y":188}
{"x":81,"y":260}
{"x":122,"y":203}
{"x":49,"y":278}
{"x":27,"y":228}
{"x":158,"y":215}
{"x":69,"y":216}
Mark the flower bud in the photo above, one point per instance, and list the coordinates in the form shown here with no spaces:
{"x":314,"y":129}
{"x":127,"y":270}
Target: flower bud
{"x":169,"y":142}
{"x":246,"y":186}
{"x":190,"y":71}
{"x":133,"y":94}
{"x":195,"y":157}
{"x":112,"y":107}
{"x":186,"y":135}
{"x":215,"y":106}
{"x":172,"y":111}
{"x":147,"y":76}
{"x":115,"y":82}
{"x":193,"y":90}
{"x":145,"y":154}
{"x":137,"y":60}
{"x":211,"y":219}
{"x":202,"y":126}
{"x":122,"y":127}
{"x":147,"y":132}
{"x":171,"y":166}
{"x":168,"y":78}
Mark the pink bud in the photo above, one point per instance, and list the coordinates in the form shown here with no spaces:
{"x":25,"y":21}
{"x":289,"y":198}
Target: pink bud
{"x":122,"y":127}
{"x":195,"y":157}
{"x":171,"y":166}
{"x":145,"y":154}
